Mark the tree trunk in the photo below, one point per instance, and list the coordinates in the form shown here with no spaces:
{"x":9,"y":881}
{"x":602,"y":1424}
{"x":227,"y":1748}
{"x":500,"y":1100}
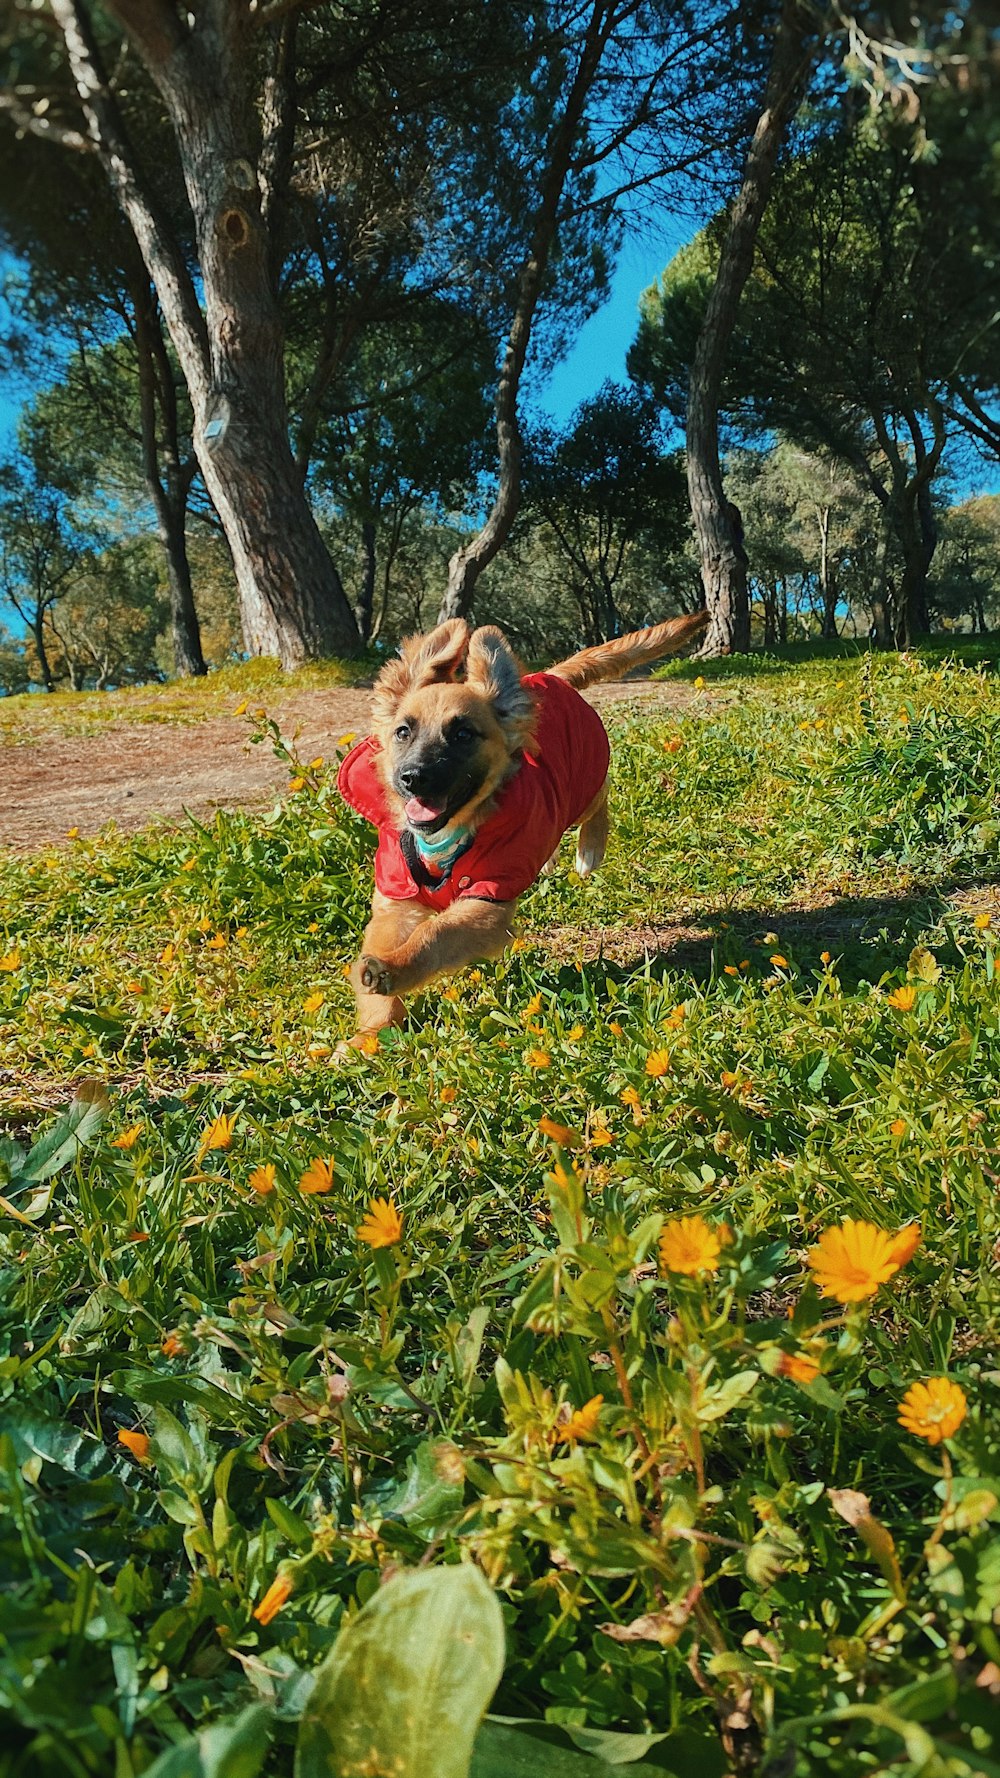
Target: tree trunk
{"x":38,"y":630}
{"x":292,"y":602}
{"x":723,"y":560}
{"x":185,"y":630}
{"x":366,"y":603}
{"x":467,"y":563}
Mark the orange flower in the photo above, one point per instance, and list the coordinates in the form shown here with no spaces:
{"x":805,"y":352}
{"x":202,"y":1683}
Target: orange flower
{"x":825,"y":957}
{"x":898,"y":1127}
{"x":368,"y":1044}
{"x":10,"y":962}
{"x":315,"y":764}
{"x":690,"y":1245}
{"x":533,"y":1008}
{"x":318,"y":1052}
{"x":136,"y":1442}
{"x":133,"y":987}
{"x":616,"y":1029}
{"x":262,"y":1179}
{"x":313,"y":1002}
{"x":797,"y":1366}
{"x":219,"y":1133}
{"x":383,"y":1226}
{"x":560,"y":1133}
{"x":172,"y":1346}
{"x":128,"y":1138}
{"x":317,"y":1178}
{"x":277,"y":1595}
{"x":982,"y":922}
{"x":630,"y":1096}
{"x":851,"y":1259}
{"x":673,"y":744}
{"x":296,"y":784}
{"x":933,"y":1410}
{"x":729,"y":1079}
{"x":167,"y":954}
{"x":779,"y":961}
{"x":538,"y":1059}
{"x":582,"y":1423}
{"x":903,"y":999}
{"x":730,"y":969}
{"x":217,"y":942}
{"x":658,"y":1063}
{"x":448,"y":1095}
{"x":600,"y":1137}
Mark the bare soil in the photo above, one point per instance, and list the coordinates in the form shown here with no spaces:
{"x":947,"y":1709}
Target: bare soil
{"x":133,"y":774}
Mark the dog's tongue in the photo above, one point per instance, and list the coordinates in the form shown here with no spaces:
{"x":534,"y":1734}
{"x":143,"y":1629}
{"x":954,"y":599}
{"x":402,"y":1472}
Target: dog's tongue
{"x":415,"y":810}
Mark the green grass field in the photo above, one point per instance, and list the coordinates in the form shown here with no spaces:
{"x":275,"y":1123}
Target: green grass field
{"x":678,"y":1464}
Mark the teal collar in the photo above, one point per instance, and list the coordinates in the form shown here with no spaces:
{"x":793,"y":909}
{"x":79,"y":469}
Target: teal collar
{"x":439,"y":852}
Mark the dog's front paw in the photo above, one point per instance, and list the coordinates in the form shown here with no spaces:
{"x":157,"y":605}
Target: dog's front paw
{"x":375,"y":976}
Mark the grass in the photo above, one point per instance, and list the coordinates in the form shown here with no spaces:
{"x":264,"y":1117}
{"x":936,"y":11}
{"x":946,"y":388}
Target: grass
{"x":816,"y":839}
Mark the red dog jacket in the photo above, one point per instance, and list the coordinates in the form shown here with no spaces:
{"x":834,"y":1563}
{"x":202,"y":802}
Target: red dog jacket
{"x":548,"y":793}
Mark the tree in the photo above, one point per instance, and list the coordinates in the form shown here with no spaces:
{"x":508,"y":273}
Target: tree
{"x":716,"y":521}
{"x":406,"y":434}
{"x":39,"y":554}
{"x":108,"y":619}
{"x":658,"y":74}
{"x":599,"y":488}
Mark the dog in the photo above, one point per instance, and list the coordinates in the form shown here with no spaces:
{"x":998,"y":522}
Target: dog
{"x":471,"y":782}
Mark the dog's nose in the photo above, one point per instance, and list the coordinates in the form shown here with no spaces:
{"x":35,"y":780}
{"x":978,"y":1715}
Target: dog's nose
{"x":408,"y":777}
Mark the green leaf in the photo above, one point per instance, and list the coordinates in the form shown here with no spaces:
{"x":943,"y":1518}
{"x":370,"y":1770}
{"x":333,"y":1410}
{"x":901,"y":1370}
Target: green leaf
{"x":717,"y":1401}
{"x":503,"y":1751}
{"x":68,"y":1135}
{"x":408,"y":1681}
{"x":235,"y":1749}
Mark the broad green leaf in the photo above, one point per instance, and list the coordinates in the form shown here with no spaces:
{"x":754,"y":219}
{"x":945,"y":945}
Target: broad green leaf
{"x":234,"y":1749}
{"x":61,"y":1145}
{"x":408,"y":1681}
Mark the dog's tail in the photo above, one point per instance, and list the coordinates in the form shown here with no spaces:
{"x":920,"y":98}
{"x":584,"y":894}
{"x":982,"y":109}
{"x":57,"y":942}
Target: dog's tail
{"x":611,"y":659}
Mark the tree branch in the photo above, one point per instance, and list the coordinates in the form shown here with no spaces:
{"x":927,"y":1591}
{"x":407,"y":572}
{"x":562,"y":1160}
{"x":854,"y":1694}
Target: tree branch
{"x":40,"y":125}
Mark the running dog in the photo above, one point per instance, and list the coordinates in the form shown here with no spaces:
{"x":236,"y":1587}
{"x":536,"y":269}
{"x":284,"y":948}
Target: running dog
{"x":472,"y":774}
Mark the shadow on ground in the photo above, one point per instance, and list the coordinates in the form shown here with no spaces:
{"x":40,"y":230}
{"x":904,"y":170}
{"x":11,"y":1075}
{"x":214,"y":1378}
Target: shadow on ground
{"x":865,"y":935}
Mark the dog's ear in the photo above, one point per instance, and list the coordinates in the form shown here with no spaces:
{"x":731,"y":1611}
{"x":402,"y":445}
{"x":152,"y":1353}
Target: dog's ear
{"x":423,"y":660}
{"x":493,"y":671}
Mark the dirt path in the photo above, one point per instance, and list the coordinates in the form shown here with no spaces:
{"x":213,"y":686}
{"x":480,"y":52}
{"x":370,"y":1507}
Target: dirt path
{"x":135,"y":773}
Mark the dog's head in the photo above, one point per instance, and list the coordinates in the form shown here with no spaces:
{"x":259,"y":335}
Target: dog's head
{"x":447,"y":743}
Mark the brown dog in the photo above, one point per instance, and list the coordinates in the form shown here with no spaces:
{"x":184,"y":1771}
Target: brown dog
{"x":472,"y":783}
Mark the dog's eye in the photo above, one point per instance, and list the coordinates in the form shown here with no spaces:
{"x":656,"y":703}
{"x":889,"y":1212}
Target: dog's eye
{"x":402,"y":733}
{"x":464,"y":732}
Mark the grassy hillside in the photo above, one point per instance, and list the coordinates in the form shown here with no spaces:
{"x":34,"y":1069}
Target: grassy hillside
{"x":596,"y":1340}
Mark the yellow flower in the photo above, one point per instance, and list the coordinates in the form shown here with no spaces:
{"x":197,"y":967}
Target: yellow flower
{"x":262,"y":1179}
{"x":318,"y":1052}
{"x":903,"y":999}
{"x":167,"y":955}
{"x":448,"y":1095}
{"x":369,"y":1044}
{"x":474,"y":978}
{"x":136,"y":1442}
{"x":825,"y":957}
{"x":345,"y":740}
{"x":128,"y":1138}
{"x":313,"y":926}
{"x":779,"y":961}
{"x":89,"y":1049}
{"x":133,"y":987}
{"x":565,"y":1177}
{"x":574,"y":1034}
{"x":217,"y":942}
{"x":240,"y":709}
{"x":172,"y":1345}
{"x":898,"y":1127}
{"x":629,"y":1096}
{"x":317,"y":1178}
{"x":72,"y":833}
{"x":315,"y":764}
{"x":538,"y":1059}
{"x":560,"y":1133}
{"x":729,"y":1080}
{"x":730,"y":969}
{"x":699,"y":684}
{"x":204,"y":924}
{"x":582,"y":1423}
{"x":600,"y":1138}
{"x":676,"y":1016}
{"x":533,"y":1007}
{"x":673,"y":745}
{"x":690,"y":1245}
{"x":383,"y":1226}
{"x":851,"y":1259}
{"x":241,"y":932}
{"x":313,"y":1002}
{"x":277,"y":1595}
{"x":296,"y":784}
{"x":982,"y":922}
{"x":189,"y":864}
{"x":658,"y":1063}
{"x":933,"y":1410}
{"x":219,"y":1133}
{"x":616,"y":1029}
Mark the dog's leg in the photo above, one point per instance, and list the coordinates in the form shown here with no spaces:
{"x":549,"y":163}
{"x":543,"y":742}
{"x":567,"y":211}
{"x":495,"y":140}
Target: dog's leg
{"x":465,"y":933}
{"x":592,"y":839}
{"x":392,"y":922}
{"x":551,"y":865}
